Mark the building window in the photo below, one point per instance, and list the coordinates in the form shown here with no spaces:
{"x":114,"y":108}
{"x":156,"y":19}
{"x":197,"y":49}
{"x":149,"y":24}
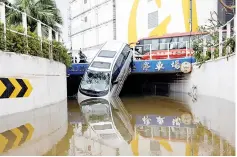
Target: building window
{"x":152,"y":19}
{"x":85,"y":18}
{"x":85,"y":1}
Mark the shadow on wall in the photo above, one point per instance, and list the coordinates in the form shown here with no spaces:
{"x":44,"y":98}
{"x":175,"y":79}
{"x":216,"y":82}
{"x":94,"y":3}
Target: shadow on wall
{"x":72,"y":85}
{"x":135,"y":85}
{"x":148,"y":84}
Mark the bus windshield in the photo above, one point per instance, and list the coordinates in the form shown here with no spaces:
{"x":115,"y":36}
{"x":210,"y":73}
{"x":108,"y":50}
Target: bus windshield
{"x":95,"y":83}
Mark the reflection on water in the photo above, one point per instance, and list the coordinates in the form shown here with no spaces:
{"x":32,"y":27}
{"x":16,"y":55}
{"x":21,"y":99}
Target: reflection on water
{"x":131,"y":126}
{"x":33,"y":132}
{"x":142,"y":126}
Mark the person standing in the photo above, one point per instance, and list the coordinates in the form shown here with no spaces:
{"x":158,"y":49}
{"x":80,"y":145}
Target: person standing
{"x":82,"y":57}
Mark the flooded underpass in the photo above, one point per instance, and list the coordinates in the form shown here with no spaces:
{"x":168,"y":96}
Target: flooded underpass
{"x":132,"y":125}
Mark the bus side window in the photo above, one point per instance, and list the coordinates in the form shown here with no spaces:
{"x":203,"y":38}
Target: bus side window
{"x":183,"y":41}
{"x":155,"y":44}
{"x":146,"y":46}
{"x":138,"y":49}
{"x":174,"y":43}
{"x":164,"y":43}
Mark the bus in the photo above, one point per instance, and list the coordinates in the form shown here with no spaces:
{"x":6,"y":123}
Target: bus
{"x":169,"y":46}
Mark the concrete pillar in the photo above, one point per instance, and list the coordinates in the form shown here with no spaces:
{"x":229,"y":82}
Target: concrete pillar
{"x":39,"y":33}
{"x":50,"y":34}
{"x":39,"y":30}
{"x":204,"y":46}
{"x":3,"y":19}
{"x":212,"y":49}
{"x":228,"y":35}
{"x":50,"y":42}
{"x":3,"y":14}
{"x":220,"y":42}
{"x":56,"y":36}
{"x":24,"y":22}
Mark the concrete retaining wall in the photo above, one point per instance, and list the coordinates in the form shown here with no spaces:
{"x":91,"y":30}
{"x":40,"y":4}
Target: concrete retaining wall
{"x":212,"y":102}
{"x":45,"y":127}
{"x":214,"y":78}
{"x":216,"y":114}
{"x":47,"y":78}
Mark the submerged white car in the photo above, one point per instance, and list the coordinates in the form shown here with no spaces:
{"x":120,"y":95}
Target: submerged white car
{"x":107,"y":72}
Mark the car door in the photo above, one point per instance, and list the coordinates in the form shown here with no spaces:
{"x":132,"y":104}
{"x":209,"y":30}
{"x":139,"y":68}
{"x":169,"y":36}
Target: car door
{"x":116,"y":74}
{"x":124,"y":68}
{"x":127,"y":68}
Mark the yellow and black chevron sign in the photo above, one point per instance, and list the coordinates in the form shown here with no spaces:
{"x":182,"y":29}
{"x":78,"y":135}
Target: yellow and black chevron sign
{"x":15,"y":137}
{"x":14,"y":88}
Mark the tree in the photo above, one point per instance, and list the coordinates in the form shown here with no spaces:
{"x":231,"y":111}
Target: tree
{"x":44,"y":10}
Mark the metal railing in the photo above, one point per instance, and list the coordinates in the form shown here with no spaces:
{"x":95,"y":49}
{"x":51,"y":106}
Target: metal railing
{"x":76,"y":58}
{"x":45,"y":34}
{"x":224,"y":32}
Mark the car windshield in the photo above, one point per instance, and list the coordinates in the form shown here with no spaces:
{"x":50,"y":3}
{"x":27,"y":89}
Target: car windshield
{"x":95,"y":81}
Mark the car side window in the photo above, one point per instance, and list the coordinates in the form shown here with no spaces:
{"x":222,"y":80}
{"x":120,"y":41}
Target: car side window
{"x":126,"y":51}
{"x":117,"y":67}
{"x":114,"y":74}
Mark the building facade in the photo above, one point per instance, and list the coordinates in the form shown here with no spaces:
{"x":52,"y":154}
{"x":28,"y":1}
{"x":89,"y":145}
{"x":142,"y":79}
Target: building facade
{"x":93,"y":22}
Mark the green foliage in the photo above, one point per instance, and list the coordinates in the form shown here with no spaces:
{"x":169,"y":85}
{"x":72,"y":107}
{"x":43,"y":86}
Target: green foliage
{"x":212,"y":41}
{"x":18,"y":43}
{"x":60,"y":53}
{"x":211,"y":45}
{"x":84,"y":128}
{"x":44,"y":10}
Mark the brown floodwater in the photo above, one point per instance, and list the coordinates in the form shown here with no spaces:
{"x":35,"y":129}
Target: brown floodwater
{"x":137,"y":129}
{"x":132,"y":126}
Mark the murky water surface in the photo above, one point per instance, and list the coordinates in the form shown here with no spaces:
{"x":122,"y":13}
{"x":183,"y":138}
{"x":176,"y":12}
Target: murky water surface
{"x":126,"y":126}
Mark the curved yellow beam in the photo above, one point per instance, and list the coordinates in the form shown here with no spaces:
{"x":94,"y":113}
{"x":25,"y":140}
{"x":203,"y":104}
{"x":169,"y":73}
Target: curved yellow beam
{"x":132,"y":23}
{"x":166,"y":145}
{"x":186,"y":14}
{"x":134,"y":145}
{"x":158,"y":3}
{"x":161,"y":29}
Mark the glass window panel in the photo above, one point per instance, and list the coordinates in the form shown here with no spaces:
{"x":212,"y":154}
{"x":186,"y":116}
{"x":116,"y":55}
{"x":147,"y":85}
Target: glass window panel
{"x":107,"y":54}
{"x":104,"y":65}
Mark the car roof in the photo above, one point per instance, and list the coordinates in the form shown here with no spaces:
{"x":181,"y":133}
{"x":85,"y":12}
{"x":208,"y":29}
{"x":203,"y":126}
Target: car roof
{"x":112,"y":45}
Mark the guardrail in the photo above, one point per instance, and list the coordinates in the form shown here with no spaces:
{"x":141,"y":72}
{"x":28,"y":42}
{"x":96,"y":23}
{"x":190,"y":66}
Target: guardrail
{"x":226,"y":28}
{"x":45,"y":33}
{"x":223,"y":33}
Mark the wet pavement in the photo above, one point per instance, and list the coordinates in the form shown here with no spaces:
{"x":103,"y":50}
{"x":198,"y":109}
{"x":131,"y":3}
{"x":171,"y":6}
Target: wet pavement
{"x":129,"y":126}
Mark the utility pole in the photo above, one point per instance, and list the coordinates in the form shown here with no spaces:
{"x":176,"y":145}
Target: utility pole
{"x":70,"y":25}
{"x":191,"y":16}
{"x":191,"y":29}
{"x":190,"y":22}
